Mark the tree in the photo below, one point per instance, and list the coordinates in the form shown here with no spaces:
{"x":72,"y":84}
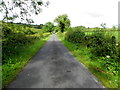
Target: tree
{"x":56,"y":29}
{"x":81,"y":27}
{"x":103,"y":25}
{"x":22,"y":9}
{"x":49,"y":27}
{"x":114,"y":28}
{"x":63,"y":22}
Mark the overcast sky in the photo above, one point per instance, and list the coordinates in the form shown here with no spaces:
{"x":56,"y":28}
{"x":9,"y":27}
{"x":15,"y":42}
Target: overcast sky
{"x":89,"y":13}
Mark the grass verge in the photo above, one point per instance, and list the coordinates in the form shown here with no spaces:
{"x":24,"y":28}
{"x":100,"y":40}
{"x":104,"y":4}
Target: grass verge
{"x":84,"y":56}
{"x":10,"y":71}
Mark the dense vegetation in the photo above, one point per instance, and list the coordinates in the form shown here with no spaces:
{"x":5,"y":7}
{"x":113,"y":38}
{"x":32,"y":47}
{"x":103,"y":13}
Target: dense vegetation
{"x":19,"y":44}
{"x":13,"y":9}
{"x":48,"y":27}
{"x":98,"y":49}
{"x":63,"y":22}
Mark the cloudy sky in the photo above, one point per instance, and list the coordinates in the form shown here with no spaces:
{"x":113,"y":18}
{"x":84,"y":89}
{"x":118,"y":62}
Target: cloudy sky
{"x":89,"y":13}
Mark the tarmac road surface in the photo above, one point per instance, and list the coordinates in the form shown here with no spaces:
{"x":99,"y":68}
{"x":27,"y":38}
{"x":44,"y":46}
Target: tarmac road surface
{"x":55,"y":67}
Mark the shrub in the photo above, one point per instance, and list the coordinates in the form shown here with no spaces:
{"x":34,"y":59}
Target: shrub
{"x":14,"y":38}
{"x":28,"y":31}
{"x":101,"y":45}
{"x":75,"y":36}
{"x":6,"y":31}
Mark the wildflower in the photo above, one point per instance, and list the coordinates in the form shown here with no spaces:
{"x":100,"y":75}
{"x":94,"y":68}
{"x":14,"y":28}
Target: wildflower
{"x":107,"y":56}
{"x":117,"y":44}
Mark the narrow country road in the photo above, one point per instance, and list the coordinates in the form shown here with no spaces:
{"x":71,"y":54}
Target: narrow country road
{"x":54,"y":67}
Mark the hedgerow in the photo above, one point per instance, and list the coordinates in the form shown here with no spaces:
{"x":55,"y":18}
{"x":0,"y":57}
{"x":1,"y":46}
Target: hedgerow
{"x":75,"y":35}
{"x":102,"y":46}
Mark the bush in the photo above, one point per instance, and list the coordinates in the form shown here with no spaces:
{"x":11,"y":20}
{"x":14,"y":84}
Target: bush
{"x":14,"y":38}
{"x":101,"y":45}
{"x":75,"y":36}
{"x":29,"y":32}
{"x":6,"y":31}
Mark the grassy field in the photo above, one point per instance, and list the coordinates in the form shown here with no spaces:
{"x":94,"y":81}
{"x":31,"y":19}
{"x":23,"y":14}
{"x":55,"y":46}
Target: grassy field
{"x":84,"y":55}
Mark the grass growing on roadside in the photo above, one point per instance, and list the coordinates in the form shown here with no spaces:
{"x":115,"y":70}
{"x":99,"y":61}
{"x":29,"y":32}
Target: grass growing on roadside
{"x":84,"y":56}
{"x":9,"y":71}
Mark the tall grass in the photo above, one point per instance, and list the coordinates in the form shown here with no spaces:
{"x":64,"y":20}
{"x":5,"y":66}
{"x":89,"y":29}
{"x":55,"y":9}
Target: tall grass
{"x":20,"y":43}
{"x":99,"y":53}
{"x":10,"y":70}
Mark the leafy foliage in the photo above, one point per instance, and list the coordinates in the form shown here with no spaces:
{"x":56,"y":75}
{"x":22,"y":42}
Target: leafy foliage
{"x":102,"y":47}
{"x":14,"y":37}
{"x":80,"y":27}
{"x":103,"y":25}
{"x":29,"y":31}
{"x":75,"y":35}
{"x":19,"y":44}
{"x":106,"y":45}
{"x":48,"y":27}
{"x":104,"y":66}
{"x":12,"y":9}
{"x":63,"y":22}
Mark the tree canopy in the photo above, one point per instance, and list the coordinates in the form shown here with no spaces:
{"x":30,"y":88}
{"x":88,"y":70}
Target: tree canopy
{"x":49,"y":27}
{"x":103,"y":25}
{"x":80,"y":27}
{"x":63,"y":22}
{"x":22,"y":9}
